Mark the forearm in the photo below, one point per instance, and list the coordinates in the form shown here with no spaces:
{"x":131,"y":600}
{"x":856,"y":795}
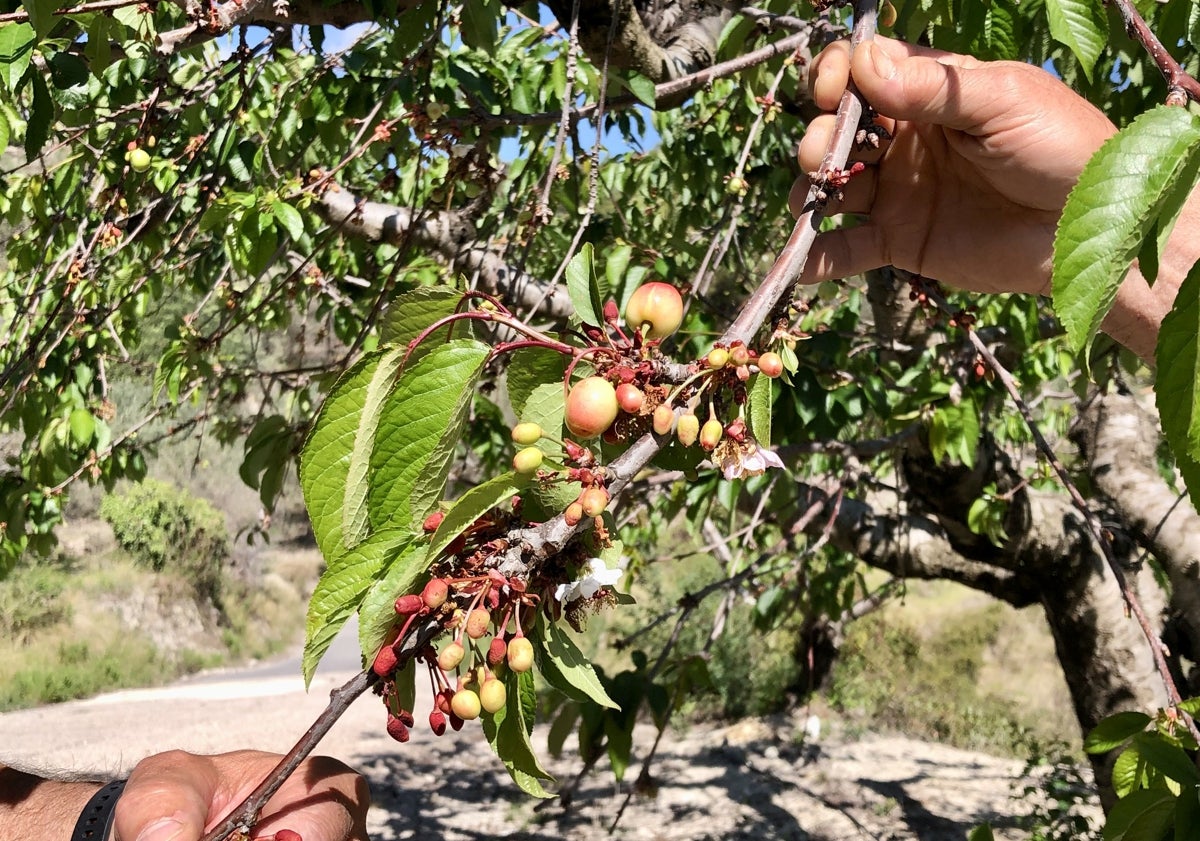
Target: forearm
{"x":36,"y":809}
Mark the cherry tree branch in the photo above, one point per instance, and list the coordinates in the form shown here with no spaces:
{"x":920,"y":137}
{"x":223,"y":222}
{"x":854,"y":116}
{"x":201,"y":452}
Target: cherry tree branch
{"x":1180,"y":85}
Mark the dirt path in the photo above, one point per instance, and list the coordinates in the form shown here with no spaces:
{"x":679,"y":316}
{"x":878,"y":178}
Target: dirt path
{"x":754,"y":780}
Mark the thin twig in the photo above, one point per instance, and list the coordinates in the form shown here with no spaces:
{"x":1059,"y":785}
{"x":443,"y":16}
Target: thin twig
{"x":1180,"y":84}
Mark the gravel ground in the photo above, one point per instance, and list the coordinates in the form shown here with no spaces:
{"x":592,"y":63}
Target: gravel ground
{"x":753,"y":780}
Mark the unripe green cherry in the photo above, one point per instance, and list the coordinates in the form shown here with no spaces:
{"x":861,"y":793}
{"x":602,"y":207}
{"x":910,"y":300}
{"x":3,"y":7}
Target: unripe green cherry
{"x":656,"y":307}
{"x":770,"y":364}
{"x":520,"y":654}
{"x":593,"y":501}
{"x":687,"y":429}
{"x":591,"y":407}
{"x":492,"y":695}
{"x":450,"y":656}
{"x":717,"y":358}
{"x":526,"y":434}
{"x":664,"y":419}
{"x":139,"y":159}
{"x":465,"y":704}
{"x":710,"y":434}
{"x":527,"y":461}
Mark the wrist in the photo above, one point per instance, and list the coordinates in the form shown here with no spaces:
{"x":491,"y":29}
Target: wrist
{"x":36,"y":809}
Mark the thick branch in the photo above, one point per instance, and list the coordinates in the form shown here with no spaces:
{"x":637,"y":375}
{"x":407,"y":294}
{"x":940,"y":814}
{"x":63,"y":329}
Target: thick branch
{"x":449,"y":233}
{"x":225,"y":16}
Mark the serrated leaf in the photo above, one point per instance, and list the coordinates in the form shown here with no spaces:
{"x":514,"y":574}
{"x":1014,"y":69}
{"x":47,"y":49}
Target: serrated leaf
{"x":411,"y":313}
{"x":508,"y":735}
{"x":325,"y":459}
{"x":5,"y":130}
{"x":1143,"y":815}
{"x":83,"y":426}
{"x":340,"y":591}
{"x":564,"y":666}
{"x":643,"y":88}
{"x":616,"y":263}
{"x":479,"y":21}
{"x":468,"y":508}
{"x":1168,"y":759}
{"x":289,"y":218}
{"x":1108,"y":214}
{"x":355,"y":512}
{"x":1080,"y":25}
{"x":1114,"y":730}
{"x":529,"y":368}
{"x":16,"y":51}
{"x":758,"y":408}
{"x":420,"y":425}
{"x":1177,"y":394}
{"x":582,"y":288}
{"x":377,"y":610}
{"x":1127,"y":771}
{"x":546,"y":406}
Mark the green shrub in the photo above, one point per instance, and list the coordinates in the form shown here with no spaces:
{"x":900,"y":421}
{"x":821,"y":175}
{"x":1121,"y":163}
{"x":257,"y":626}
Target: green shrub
{"x":32,"y":597}
{"x":78,"y":670}
{"x":166,"y":528}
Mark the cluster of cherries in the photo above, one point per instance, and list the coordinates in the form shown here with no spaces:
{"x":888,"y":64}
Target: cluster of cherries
{"x":466,"y":673}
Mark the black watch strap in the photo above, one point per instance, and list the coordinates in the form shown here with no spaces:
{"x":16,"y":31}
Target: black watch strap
{"x":96,"y":820}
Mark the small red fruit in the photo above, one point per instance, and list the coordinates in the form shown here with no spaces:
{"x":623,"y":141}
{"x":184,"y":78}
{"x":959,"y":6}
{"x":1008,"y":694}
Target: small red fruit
{"x":710,"y":434}
{"x":593,"y":501}
{"x":687,"y":429}
{"x":397,"y":729}
{"x":437,"y":722}
{"x":497,"y":651}
{"x":433,"y":521}
{"x":450,"y":656}
{"x":385,"y":661}
{"x":492,"y":695}
{"x":573,"y":514}
{"x":591,"y":407}
{"x":656,"y":308}
{"x":456,"y":723}
{"x":771,"y":364}
{"x":410,"y":604}
{"x":465,"y":704}
{"x":739,"y":355}
{"x":527,"y":461}
{"x":477,"y":623}
{"x":520,"y":654}
{"x":630,"y":398}
{"x":435,"y":593}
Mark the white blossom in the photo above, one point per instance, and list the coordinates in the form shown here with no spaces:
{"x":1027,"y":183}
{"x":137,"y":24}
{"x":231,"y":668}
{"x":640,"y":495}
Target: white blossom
{"x":747,"y":459}
{"x":598,"y":576}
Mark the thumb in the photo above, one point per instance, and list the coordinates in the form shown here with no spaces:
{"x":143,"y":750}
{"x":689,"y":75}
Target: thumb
{"x":167,"y":798}
{"x":927,"y":86}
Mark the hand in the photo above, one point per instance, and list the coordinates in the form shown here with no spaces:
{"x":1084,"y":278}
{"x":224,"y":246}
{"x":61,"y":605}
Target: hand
{"x":970,"y":186}
{"x":177,"y":796}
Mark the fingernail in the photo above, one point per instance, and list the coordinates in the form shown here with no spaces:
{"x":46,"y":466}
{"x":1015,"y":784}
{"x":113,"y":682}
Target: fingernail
{"x":166,"y":829}
{"x":884,"y":66}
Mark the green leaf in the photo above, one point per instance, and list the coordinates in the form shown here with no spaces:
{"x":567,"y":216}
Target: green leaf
{"x":289,"y":219}
{"x":1114,"y":730}
{"x":377,"y":612}
{"x":41,"y":15}
{"x":643,"y":88}
{"x":1127,"y":771}
{"x":1168,"y":759}
{"x":325,"y":459}
{"x":582,"y":287}
{"x":340,"y":590}
{"x":758,"y":408}
{"x":410,"y":314}
{"x":563,"y":665}
{"x":479,"y":21}
{"x":355,"y":514}
{"x":5,"y":130}
{"x":1082,"y":26}
{"x":507,"y":732}
{"x":1122,"y":191}
{"x":1177,"y":390}
{"x":1143,"y":815}
{"x":16,"y":51}
{"x":954,"y":432}
{"x":83,"y":426}
{"x":41,"y":115}
{"x":983,"y":832}
{"x":529,"y":368}
{"x":421,"y":423}
{"x":468,"y":508}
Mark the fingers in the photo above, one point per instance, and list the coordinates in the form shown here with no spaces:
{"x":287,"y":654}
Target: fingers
{"x":167,"y":798}
{"x":830,"y":70}
{"x":325,"y":800}
{"x":844,"y":252}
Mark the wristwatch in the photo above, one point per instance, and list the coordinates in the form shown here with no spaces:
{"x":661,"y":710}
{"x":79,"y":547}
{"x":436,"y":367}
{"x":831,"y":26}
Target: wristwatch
{"x":96,"y":820}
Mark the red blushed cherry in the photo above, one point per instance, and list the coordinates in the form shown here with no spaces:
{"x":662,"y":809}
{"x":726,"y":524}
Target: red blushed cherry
{"x":770,"y":364}
{"x":591,"y":407}
{"x":656,"y":308}
{"x":630,"y":398}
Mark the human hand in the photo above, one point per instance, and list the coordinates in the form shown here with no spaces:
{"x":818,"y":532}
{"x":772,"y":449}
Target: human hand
{"x":970,"y":186}
{"x":177,"y":796}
